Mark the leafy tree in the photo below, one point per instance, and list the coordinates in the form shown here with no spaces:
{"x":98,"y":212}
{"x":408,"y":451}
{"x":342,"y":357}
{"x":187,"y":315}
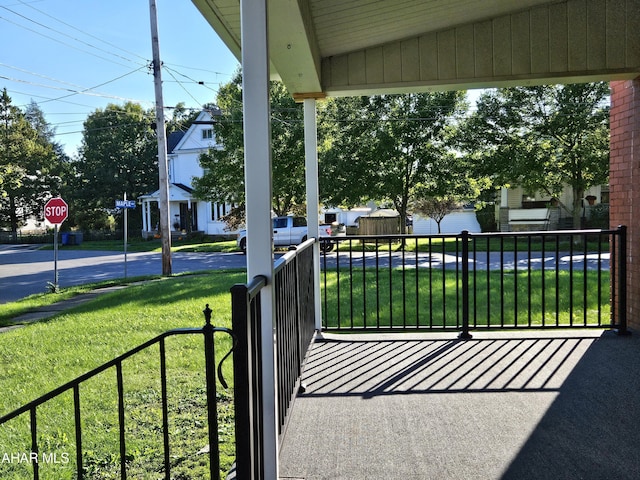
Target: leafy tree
{"x":118,"y":154}
{"x":181,"y":119}
{"x":30,"y":164}
{"x":435,"y":207}
{"x":389,"y":148}
{"x":223,"y":180}
{"x":542,"y":138}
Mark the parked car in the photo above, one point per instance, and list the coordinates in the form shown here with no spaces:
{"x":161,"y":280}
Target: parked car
{"x":291,"y":230}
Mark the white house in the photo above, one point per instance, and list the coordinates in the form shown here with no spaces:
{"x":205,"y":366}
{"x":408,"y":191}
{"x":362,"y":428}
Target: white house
{"x":187,"y":213}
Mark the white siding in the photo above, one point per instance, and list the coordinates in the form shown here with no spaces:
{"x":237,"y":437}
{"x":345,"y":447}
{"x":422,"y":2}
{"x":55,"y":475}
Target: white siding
{"x":455,"y":222}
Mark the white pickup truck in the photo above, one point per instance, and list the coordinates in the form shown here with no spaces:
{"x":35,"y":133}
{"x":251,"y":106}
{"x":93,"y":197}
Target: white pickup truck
{"x":292,"y":230}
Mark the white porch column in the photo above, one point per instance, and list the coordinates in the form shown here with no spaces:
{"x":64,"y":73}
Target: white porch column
{"x":257,"y":158}
{"x":313,"y":196}
{"x":145,"y":224}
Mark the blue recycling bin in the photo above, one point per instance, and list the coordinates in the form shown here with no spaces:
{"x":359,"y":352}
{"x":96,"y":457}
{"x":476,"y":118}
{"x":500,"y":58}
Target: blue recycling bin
{"x":71,"y":238}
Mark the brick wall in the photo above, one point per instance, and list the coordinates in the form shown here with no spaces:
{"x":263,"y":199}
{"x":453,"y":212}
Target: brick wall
{"x":625,"y":184}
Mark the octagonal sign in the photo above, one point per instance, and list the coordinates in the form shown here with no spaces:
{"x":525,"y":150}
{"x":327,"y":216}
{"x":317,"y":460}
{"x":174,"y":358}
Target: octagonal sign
{"x":56,"y":211}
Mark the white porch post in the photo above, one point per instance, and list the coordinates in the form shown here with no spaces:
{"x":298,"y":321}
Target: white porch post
{"x":145,"y":224}
{"x":257,"y":158}
{"x":504,"y":192}
{"x":313,"y":196}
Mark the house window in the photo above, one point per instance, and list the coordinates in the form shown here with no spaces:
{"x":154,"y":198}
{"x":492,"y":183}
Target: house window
{"x":207,"y":134}
{"x":222,"y":209}
{"x":219,"y":210}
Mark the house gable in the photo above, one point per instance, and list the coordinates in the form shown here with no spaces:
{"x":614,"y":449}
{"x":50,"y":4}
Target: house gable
{"x":200,"y":134}
{"x":184,"y":158}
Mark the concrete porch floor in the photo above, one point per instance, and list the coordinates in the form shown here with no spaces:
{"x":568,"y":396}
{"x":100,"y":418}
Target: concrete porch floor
{"x":504,"y":405}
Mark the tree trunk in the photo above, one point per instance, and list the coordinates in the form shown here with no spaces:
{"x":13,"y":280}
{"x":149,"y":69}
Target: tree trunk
{"x":13,"y":219}
{"x":577,"y":208}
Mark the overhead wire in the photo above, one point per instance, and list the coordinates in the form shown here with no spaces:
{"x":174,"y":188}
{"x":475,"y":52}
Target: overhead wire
{"x":82,"y":31}
{"x":79,"y":89}
{"x":83,"y":91}
{"x":61,"y":42}
{"x":63,"y":34}
{"x":87,"y":90}
{"x":170,"y":72}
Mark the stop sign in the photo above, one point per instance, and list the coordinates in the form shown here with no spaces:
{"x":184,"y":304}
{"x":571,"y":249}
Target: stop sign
{"x":56,"y":210}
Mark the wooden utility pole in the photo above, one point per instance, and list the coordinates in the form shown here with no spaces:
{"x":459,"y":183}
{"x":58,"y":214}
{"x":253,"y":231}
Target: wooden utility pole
{"x":163,"y":204}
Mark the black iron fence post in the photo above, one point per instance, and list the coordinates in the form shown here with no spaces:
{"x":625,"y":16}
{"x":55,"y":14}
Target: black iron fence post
{"x":464,"y":334}
{"x":622,"y":281}
{"x":246,"y":320}
{"x":241,"y":381}
{"x":212,"y":413}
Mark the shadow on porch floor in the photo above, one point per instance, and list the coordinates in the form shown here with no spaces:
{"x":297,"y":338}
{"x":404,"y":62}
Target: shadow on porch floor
{"x":522,"y":405}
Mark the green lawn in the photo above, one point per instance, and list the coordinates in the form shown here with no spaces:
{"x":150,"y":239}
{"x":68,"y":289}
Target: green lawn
{"x":40,"y":357}
{"x":429,"y":298}
{"x":451,"y":244}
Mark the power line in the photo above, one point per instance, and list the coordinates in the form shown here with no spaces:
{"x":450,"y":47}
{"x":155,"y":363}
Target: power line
{"x":82,"y":91}
{"x":182,"y":86}
{"x":66,"y":35}
{"x":82,"y":31}
{"x":200,"y":69}
{"x":61,"y":42}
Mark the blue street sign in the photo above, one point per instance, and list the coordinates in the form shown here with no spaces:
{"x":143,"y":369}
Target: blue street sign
{"x":125,"y":204}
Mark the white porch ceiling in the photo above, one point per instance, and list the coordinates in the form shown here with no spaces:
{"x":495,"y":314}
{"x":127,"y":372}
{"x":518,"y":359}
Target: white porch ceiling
{"x":347,"y":47}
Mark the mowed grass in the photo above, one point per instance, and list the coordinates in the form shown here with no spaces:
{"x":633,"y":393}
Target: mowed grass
{"x":39,"y":357}
{"x":430,"y":298}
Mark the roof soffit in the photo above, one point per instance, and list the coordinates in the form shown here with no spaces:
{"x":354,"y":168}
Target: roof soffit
{"x":304,"y":34}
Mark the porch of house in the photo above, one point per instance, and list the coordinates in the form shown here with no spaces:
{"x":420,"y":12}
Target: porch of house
{"x":507,"y":392}
{"x":504,"y":405}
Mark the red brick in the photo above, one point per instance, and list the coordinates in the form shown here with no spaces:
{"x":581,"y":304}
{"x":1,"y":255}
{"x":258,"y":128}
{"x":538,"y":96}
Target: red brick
{"x":624,"y":122}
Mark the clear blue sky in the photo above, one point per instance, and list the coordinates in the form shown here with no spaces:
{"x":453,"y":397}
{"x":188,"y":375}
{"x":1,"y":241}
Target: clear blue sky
{"x":94,"y":53}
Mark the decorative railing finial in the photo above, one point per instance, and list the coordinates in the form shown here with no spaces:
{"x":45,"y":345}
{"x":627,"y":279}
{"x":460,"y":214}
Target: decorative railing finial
{"x":207,"y":314}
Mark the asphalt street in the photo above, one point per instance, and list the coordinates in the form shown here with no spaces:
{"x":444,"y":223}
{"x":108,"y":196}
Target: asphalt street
{"x":25,"y":270}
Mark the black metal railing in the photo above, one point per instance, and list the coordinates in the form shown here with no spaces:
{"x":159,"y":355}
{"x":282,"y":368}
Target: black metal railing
{"x":207,"y":331}
{"x":295,"y":327}
{"x":550,"y":279}
{"x":295,"y":321}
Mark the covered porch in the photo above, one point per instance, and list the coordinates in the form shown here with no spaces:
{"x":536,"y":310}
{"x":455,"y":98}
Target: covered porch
{"x":320,"y":49}
{"x":507,"y":405}
{"x":182,"y":211}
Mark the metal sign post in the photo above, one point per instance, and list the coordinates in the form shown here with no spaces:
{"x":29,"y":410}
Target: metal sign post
{"x":56,"y":211}
{"x":126,"y":205}
{"x":55,"y":257}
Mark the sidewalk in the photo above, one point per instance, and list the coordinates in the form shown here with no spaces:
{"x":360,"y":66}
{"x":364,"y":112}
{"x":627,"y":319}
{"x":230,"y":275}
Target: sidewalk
{"x":49,"y":311}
